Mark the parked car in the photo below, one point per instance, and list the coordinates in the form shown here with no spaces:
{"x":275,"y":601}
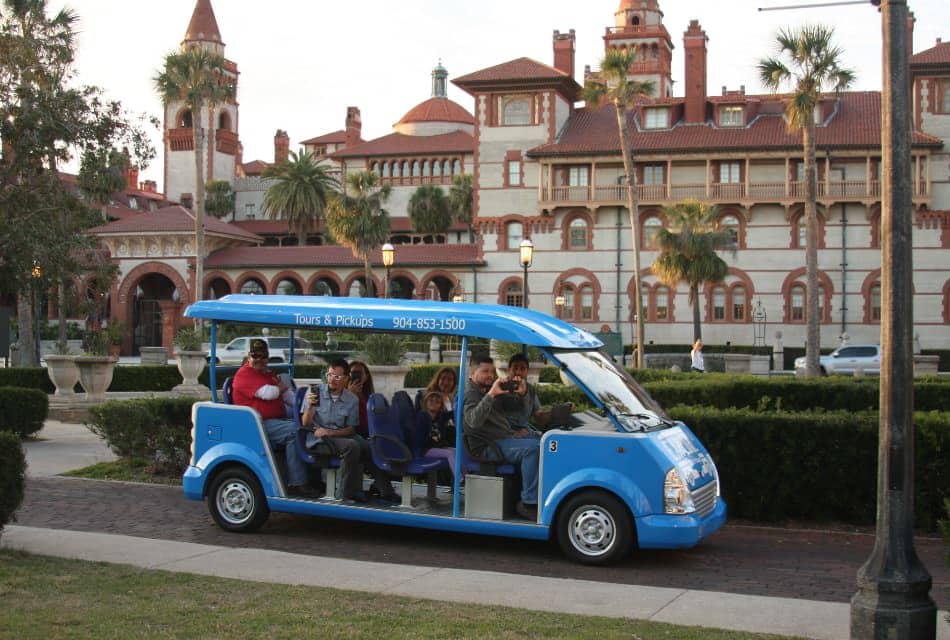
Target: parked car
{"x":847,"y":359}
{"x":235,"y":352}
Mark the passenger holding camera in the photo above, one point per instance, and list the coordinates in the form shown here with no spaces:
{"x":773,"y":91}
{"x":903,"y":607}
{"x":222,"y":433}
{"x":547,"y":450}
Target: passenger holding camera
{"x":485,"y":419}
{"x":361,"y":386}
{"x":522,"y":406}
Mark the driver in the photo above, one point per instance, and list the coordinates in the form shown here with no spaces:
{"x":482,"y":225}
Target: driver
{"x":484,"y":418}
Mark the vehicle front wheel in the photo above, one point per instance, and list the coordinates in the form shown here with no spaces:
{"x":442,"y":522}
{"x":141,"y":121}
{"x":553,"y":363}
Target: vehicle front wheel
{"x":594,"y":527}
{"x":236,"y":500}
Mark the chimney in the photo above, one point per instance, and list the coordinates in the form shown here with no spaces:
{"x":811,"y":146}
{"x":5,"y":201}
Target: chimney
{"x":911,"y":19}
{"x":281,"y":147}
{"x":564,"y":51}
{"x":354,"y":127}
{"x":132,"y":177}
{"x":694,"y":44}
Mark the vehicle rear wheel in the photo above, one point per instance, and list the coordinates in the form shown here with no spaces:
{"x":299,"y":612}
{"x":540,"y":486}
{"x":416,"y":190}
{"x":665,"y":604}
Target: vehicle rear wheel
{"x":594,"y":527}
{"x":236,"y":500}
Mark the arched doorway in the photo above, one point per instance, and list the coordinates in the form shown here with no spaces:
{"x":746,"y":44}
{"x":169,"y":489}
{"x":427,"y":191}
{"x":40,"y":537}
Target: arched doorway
{"x":401,"y":287}
{"x":440,"y":288}
{"x":149,"y":293}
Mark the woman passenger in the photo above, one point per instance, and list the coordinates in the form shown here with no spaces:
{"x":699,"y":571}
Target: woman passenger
{"x":361,"y":386}
{"x":446,"y":382}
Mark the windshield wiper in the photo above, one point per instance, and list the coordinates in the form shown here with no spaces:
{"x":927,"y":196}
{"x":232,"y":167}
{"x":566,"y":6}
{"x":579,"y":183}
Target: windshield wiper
{"x":643,"y":417}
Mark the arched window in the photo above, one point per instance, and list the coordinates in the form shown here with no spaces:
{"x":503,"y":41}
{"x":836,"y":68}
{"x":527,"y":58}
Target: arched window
{"x":252,"y":287}
{"x":567,"y":313}
{"x":587,"y":302}
{"x":874,"y":302}
{"x":224,"y":121}
{"x":719,"y":304}
{"x":514,"y":295}
{"x":514,"y":234}
{"x":436,"y":168}
{"x":738,"y":303}
{"x":651,"y":227}
{"x":405,"y":169}
{"x":457,"y":167}
{"x":799,"y":230}
{"x":425,"y":168}
{"x":796,"y":296}
{"x":184,"y":119}
{"x":730,"y":224}
{"x":577,"y":236}
{"x":415,"y":169}
{"x":287,"y":287}
{"x":446,"y":167}
{"x":800,"y":233}
{"x":662,"y":293}
{"x":396,"y":172}
{"x":374,"y":168}
{"x":516,"y":111}
{"x":385,"y":169}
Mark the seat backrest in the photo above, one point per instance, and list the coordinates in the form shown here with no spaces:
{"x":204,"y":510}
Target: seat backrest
{"x":299,"y":396}
{"x":406,"y":414}
{"x":387,"y":440}
{"x":226,"y":390}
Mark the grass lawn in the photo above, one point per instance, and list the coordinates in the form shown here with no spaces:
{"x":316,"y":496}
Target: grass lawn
{"x":129,"y":469}
{"x":43,"y":598}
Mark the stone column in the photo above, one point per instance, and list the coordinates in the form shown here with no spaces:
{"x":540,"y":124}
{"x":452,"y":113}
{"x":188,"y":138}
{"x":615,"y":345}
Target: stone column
{"x":171,"y":316}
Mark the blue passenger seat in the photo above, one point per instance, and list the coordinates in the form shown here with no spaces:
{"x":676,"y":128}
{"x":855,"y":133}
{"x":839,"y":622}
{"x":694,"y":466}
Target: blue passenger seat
{"x":226,"y":390}
{"x":391,"y":451}
{"x":330,"y":463}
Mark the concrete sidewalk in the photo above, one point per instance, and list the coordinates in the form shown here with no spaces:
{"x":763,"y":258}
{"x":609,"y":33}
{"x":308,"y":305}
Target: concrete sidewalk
{"x":62,"y":446}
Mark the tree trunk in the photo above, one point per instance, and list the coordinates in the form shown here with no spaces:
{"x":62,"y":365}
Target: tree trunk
{"x":694,"y":299}
{"x":61,"y":303}
{"x":812,"y":335}
{"x":633,"y":209}
{"x":198,"y":204}
{"x":369,"y":291}
{"x":26,"y":354}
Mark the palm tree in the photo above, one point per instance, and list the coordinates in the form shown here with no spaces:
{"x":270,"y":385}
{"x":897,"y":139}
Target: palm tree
{"x":687,"y":251}
{"x":462,"y":201}
{"x":615,"y":86}
{"x":429,"y":210}
{"x":815,"y":67}
{"x":219,"y":199}
{"x":197,"y":78}
{"x":359,"y":221}
{"x":299,"y":194}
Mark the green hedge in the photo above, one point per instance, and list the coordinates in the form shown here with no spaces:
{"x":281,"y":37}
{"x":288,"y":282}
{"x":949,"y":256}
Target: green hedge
{"x":31,"y":377}
{"x":24,"y":410}
{"x":12,"y":477}
{"x":944,"y":354}
{"x":816,"y":466}
{"x":790,"y":394}
{"x":155,"y":429}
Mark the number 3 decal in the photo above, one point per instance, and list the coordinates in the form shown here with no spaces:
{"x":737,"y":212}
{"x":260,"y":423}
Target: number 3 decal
{"x":552,"y":446}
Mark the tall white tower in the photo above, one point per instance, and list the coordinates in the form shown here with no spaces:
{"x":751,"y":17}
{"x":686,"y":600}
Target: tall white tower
{"x":223,"y":147}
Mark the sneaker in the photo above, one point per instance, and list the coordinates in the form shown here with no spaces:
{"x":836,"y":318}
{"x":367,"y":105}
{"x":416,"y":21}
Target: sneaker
{"x":357,"y":498}
{"x":527,"y":511}
{"x":302,"y":491}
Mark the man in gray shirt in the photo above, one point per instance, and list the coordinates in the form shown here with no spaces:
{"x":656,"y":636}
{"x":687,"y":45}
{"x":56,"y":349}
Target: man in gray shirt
{"x":484,"y":417}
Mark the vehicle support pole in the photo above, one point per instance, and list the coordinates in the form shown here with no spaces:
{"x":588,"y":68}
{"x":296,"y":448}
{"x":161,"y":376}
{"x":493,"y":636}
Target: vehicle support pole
{"x":211,"y":372}
{"x":459,"y":410}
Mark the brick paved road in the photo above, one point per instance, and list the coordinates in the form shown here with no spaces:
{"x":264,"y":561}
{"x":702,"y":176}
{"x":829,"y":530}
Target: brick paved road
{"x":739,"y":559}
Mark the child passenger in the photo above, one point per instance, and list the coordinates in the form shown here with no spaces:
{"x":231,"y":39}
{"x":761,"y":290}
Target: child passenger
{"x":435,"y":421}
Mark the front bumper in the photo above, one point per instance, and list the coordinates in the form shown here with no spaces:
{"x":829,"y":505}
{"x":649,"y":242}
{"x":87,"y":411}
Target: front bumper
{"x":678,"y":531}
{"x":193,"y":483}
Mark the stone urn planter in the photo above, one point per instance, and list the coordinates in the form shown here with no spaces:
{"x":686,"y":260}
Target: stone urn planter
{"x":190,"y":366}
{"x":388,"y":378}
{"x":95,"y":375}
{"x":64,"y":373}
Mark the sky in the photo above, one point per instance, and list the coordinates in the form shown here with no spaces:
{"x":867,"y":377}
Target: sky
{"x":302,"y":62}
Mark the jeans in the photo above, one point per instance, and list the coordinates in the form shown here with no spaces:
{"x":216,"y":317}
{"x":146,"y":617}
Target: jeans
{"x":281,"y":432}
{"x":527,"y":452}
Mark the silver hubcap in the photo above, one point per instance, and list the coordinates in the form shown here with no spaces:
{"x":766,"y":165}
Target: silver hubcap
{"x":593,"y":531}
{"x":235,"y":502}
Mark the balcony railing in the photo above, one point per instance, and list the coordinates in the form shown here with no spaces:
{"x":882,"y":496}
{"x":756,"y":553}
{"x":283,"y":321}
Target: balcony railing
{"x":181,"y":139}
{"x":719,"y":192}
{"x":226,"y":141}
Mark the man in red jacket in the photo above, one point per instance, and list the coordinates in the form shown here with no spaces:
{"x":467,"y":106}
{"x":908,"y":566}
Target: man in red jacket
{"x":258,"y":387}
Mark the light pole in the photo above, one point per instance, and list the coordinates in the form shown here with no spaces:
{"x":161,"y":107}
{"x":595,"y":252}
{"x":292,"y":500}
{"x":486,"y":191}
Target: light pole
{"x":526,"y":249}
{"x":37,"y":273}
{"x":893,"y":598}
{"x":389,"y":256}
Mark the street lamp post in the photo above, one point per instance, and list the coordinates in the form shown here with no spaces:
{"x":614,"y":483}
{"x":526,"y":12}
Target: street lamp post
{"x":37,"y":273}
{"x":389,"y":256}
{"x":526,"y":249}
{"x":893,"y":598}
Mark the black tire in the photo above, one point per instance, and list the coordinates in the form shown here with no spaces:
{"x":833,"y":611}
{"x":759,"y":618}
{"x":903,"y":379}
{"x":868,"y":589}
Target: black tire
{"x":594,"y":527}
{"x":236,"y":500}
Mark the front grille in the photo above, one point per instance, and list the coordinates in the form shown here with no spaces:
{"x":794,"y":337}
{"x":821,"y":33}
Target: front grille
{"x":705,"y":498}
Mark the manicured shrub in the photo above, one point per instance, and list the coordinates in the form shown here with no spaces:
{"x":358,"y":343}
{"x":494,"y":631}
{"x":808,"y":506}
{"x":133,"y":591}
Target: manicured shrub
{"x":155,"y":429}
{"x":817,"y":466}
{"x":31,"y":377}
{"x":12,"y":477}
{"x":24,"y":410}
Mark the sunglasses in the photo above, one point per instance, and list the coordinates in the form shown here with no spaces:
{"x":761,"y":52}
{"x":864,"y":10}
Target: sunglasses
{"x":335,"y":376}
{"x":258,"y":355}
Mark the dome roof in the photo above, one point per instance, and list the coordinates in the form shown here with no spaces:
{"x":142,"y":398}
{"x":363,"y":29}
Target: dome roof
{"x":437,"y":110}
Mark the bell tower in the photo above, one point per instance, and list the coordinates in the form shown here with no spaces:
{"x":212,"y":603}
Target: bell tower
{"x":220,"y":122}
{"x":638,"y":26}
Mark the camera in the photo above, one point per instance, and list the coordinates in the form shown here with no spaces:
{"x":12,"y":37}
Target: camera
{"x":356,"y":375}
{"x":315,"y":391}
{"x":509,"y":385}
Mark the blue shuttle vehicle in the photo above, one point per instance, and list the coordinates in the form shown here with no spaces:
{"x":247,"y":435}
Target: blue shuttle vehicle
{"x":618,"y":475}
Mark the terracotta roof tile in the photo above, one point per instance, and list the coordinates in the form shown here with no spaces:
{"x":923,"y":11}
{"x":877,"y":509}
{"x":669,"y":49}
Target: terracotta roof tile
{"x":523,"y":73}
{"x":855,"y":125}
{"x":936,"y":55}
{"x":403,"y":145}
{"x":337,"y":137}
{"x":438,"y":110}
{"x":203,"y":26}
{"x":254,"y":167}
{"x":330,"y":256}
{"x":173,"y":219}
{"x":399,"y":224}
